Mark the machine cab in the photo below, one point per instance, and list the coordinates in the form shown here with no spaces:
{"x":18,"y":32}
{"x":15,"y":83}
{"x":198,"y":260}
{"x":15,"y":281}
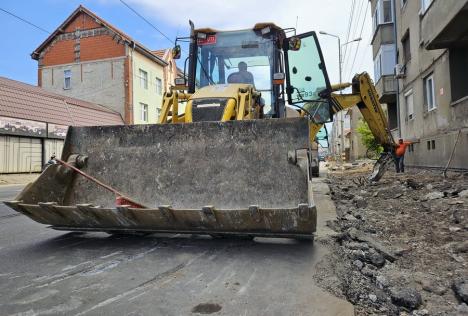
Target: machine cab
{"x":259,"y":56}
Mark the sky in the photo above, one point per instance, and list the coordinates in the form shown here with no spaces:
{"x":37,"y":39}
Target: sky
{"x":171,"y":17}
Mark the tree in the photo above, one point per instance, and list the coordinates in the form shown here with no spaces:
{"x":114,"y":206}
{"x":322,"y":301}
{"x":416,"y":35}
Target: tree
{"x":373,"y":147}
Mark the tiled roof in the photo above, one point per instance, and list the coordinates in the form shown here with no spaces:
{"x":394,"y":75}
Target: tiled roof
{"x":21,"y":100}
{"x":161,"y":53}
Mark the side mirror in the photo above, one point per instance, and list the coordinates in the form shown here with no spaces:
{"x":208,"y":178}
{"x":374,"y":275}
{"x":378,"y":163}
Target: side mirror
{"x":294,"y":43}
{"x":176,"y":52}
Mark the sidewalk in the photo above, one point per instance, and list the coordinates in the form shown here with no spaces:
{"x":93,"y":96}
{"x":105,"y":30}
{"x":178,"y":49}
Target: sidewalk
{"x":17,"y":178}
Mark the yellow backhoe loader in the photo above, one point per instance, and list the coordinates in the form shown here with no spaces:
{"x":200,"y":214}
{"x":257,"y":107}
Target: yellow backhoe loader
{"x":224,"y":159}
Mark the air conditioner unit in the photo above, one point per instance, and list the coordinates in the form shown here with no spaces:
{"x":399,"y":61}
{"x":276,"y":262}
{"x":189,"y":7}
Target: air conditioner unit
{"x":400,"y":71}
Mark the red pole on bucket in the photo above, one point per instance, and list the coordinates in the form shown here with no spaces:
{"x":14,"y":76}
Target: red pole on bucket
{"x":120,"y":198}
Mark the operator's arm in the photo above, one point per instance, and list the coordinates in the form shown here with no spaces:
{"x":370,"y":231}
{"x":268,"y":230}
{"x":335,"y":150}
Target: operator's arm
{"x":366,"y":98}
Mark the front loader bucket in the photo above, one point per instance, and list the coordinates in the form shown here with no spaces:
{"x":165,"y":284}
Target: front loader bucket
{"x":238,"y":177}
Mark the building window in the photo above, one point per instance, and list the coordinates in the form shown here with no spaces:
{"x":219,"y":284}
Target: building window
{"x":377,"y":68}
{"x":67,"y":79}
{"x":406,"y":47}
{"x":428,"y":145}
{"x":144,"y":112}
{"x":384,"y":62}
{"x":387,"y":13}
{"x":143,"y":79}
{"x":383,"y":13}
{"x":429,"y":92}
{"x":409,"y":101}
{"x":158,"y":86}
{"x":425,"y":4}
{"x":458,"y":70}
{"x":433,"y":144}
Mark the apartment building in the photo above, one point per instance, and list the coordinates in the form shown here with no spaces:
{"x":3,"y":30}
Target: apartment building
{"x":421,"y":57}
{"x":88,"y":58}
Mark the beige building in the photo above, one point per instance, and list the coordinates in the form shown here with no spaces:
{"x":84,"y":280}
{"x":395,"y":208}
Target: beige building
{"x":171,"y":70}
{"x":357,"y":150}
{"x":340,"y":136}
{"x":148,"y":89}
{"x":421,"y":60}
{"x":88,"y":58}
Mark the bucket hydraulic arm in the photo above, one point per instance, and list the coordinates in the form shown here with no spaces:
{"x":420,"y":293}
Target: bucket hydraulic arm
{"x":366,"y":98}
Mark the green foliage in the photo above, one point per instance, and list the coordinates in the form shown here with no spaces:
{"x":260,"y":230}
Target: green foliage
{"x":367,"y":137}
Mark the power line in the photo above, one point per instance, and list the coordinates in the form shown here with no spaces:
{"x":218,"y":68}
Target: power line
{"x":351,"y":17}
{"x":354,"y":31}
{"x":25,"y":21}
{"x":143,"y":18}
{"x":360,"y":35}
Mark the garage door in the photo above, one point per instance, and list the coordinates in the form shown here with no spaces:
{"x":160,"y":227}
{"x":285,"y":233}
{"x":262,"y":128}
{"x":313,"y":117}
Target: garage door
{"x":20,"y":154}
{"x":53,"y":146}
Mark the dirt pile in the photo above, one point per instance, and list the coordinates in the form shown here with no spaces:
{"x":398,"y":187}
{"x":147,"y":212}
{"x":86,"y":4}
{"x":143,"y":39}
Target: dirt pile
{"x":401,"y":245}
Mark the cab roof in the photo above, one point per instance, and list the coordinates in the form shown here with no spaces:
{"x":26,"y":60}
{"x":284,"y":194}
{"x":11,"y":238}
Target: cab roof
{"x":257,"y":26}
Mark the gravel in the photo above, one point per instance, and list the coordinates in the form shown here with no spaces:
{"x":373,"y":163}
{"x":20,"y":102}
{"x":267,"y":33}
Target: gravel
{"x":400,"y":245}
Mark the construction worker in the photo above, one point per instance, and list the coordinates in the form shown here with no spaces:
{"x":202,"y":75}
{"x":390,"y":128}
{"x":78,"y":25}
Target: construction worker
{"x":400,"y":155}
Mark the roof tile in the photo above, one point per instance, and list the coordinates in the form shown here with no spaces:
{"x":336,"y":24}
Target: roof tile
{"x":21,"y":100}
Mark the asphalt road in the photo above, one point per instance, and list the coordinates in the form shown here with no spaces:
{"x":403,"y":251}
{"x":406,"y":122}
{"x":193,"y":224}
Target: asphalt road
{"x":44,"y":272}
{"x":8,"y":193}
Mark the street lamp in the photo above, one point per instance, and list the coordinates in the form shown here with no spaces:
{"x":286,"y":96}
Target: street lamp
{"x":340,"y":64}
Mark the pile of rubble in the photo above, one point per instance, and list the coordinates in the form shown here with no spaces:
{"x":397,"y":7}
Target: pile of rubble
{"x":401,"y":245}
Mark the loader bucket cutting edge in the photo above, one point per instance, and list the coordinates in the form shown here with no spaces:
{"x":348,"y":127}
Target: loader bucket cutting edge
{"x":208,"y":177}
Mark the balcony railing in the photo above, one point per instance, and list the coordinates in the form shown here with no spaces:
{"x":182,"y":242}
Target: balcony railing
{"x":387,"y":89}
{"x":384,"y":34}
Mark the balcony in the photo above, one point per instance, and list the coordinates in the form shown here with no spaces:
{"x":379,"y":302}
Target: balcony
{"x":443,"y":25}
{"x":383,"y":35}
{"x":387,"y":89}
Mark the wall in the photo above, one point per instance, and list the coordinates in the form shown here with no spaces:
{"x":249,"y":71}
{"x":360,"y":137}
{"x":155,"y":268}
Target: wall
{"x":439,"y":157}
{"x":99,"y":82}
{"x":148,"y":96}
{"x":20,"y":154}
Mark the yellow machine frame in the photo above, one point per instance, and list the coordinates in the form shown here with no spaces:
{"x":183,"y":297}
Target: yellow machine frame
{"x":241,"y":105}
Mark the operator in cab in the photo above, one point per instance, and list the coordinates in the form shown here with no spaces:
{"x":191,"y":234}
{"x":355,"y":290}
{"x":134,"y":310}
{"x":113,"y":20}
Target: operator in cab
{"x":242,"y":76}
